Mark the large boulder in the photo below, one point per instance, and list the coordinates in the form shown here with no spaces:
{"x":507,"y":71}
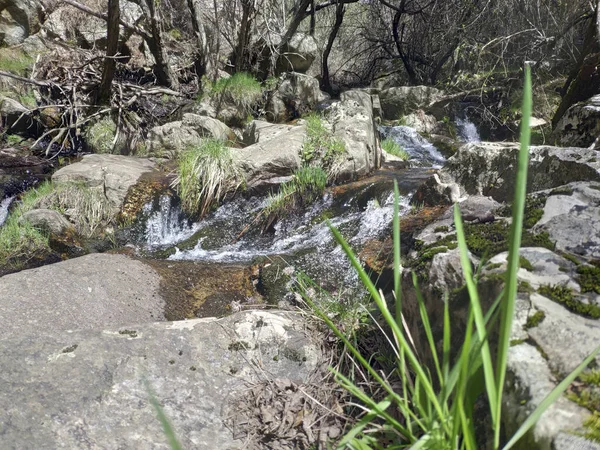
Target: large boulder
{"x":14,"y":116}
{"x":47,"y":219}
{"x":174,"y":137}
{"x":94,"y":389}
{"x":92,"y":291}
{"x":489,"y":169}
{"x":272,"y":159}
{"x":18,"y":20}
{"x":296,"y":56}
{"x":353,"y":123}
{"x":579,"y":127}
{"x":20,"y":170}
{"x":296,"y":95}
{"x":112,"y":175}
{"x":397,"y":102}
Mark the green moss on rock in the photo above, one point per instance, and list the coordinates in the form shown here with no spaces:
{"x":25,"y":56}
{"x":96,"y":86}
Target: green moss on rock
{"x":565,"y":296}
{"x":589,"y":278}
{"x":535,"y":319}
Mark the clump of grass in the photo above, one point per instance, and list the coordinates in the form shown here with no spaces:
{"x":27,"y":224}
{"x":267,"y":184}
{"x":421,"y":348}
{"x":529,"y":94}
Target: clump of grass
{"x":432,"y":406}
{"x":306,"y":186}
{"x":241,"y":88}
{"x":204,"y":175}
{"x":565,"y":296}
{"x":100,"y":135}
{"x":393,"y":148}
{"x":524,"y":263}
{"x":15,"y":61}
{"x":320,"y":148}
{"x":535,"y":319}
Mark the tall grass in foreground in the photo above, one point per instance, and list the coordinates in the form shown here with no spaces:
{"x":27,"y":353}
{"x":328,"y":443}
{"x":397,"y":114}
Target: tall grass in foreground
{"x":433,"y":407}
{"x":204,"y":175}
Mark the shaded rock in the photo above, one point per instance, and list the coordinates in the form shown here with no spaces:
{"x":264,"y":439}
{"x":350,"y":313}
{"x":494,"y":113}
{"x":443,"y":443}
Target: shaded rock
{"x":74,"y":386}
{"x":388,"y":81}
{"x":296,"y":56}
{"x":423,"y":123}
{"x":18,"y":20}
{"x":261,"y":131}
{"x":270,"y":161}
{"x":353,"y":123}
{"x":11,"y":112}
{"x":111,"y":174}
{"x":579,"y":125}
{"x":92,"y":291}
{"x":401,"y":101}
{"x":489,"y":169}
{"x":19,"y":170}
{"x":174,"y":137}
{"x":296,"y":95}
{"x":48,"y":219}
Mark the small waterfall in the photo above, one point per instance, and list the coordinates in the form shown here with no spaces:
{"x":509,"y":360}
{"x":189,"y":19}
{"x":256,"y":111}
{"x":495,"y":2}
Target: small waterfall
{"x":467,"y":130}
{"x":422,"y":152}
{"x":167,"y":225}
{"x":4,"y":205}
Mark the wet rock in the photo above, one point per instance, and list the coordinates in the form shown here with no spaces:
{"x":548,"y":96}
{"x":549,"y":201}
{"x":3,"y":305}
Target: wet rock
{"x":401,"y":101}
{"x":20,"y":19}
{"x":47,"y":219}
{"x":353,"y":123}
{"x":174,"y":137}
{"x":19,"y":170}
{"x":579,"y":126}
{"x":74,"y":386}
{"x":111,"y":174}
{"x":295,"y":96}
{"x":422,"y":122}
{"x":92,"y":291}
{"x":489,"y":169}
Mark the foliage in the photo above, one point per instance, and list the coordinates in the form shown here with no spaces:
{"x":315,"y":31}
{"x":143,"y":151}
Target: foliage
{"x":565,"y":296}
{"x":15,"y":60}
{"x":241,"y":88}
{"x":395,"y":149}
{"x":204,"y":175}
{"x":100,"y":135}
{"x":433,"y":407}
{"x":320,"y":147}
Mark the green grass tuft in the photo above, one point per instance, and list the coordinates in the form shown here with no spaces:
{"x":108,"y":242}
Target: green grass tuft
{"x":205,"y":174}
{"x":395,"y":149}
{"x":15,"y":61}
{"x":565,"y":296}
{"x":241,"y":88}
{"x":320,"y":148}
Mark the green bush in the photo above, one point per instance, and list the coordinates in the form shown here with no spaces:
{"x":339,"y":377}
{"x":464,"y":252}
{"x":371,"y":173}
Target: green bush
{"x":320,"y":148}
{"x":433,"y":406}
{"x":241,"y":88}
{"x":204,"y":175}
{"x":393,"y":148}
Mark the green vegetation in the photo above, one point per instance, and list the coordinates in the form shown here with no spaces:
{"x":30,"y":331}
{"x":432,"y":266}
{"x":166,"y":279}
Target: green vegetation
{"x":431,"y":406}
{"x":15,"y":60}
{"x":320,"y":148}
{"x":393,"y":148}
{"x":442,"y":229}
{"x":534,"y":210}
{"x":204,"y":176}
{"x":592,"y":427}
{"x":589,"y":278}
{"x":306,"y":186}
{"x":13,"y":139}
{"x":535,"y":319}
{"x":565,"y":296}
{"x":524,"y":263}
{"x":586,"y":393}
{"x":100,"y":135}
{"x":241,"y":88}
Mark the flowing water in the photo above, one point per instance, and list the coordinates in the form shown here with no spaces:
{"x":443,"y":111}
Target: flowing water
{"x":422,"y":152}
{"x":467,"y":130}
{"x":4,"y":206}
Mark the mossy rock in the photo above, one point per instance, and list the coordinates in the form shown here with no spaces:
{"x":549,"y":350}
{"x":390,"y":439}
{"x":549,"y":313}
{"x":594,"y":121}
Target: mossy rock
{"x":100,"y":136}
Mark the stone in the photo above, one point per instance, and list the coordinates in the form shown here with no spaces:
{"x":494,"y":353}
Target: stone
{"x":579,"y":126}
{"x":14,"y":115}
{"x":19,"y":169}
{"x":353,"y":123}
{"x":261,"y":131}
{"x":93,"y":388}
{"x":18,"y":20}
{"x":422,"y":122}
{"x":296,"y":94}
{"x":489,"y":169}
{"x":397,"y":102}
{"x":48,"y":219}
{"x":174,"y":137}
{"x":111,"y":174}
{"x":93,"y":291}
{"x":270,"y":161}
{"x":298,"y":55}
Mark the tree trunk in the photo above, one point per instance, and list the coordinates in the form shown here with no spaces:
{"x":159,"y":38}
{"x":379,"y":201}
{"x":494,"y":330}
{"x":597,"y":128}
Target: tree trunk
{"x":299,"y":16}
{"x":112,"y":45}
{"x":203,"y":62}
{"x":163,"y":72}
{"x":241,"y":50}
{"x":410,"y":71}
{"x":339,"y":17}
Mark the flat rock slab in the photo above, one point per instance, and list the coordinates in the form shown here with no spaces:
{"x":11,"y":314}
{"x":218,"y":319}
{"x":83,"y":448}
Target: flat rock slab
{"x":86,"y":390}
{"x":93,"y":291}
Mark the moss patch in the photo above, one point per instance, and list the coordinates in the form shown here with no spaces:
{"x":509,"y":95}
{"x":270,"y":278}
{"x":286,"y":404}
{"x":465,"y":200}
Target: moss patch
{"x":589,"y":278}
{"x":565,"y":296}
{"x":535,"y":319}
{"x":524,"y":263}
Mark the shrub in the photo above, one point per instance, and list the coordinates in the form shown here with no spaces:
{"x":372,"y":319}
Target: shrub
{"x":241,"y":88}
{"x":204,"y":175}
{"x":395,"y":149}
{"x":432,"y":407}
{"x":320,"y":147}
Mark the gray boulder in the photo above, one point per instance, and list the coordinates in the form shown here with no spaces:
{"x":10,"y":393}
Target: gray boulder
{"x":579,"y":125}
{"x":422,"y":122}
{"x":296,"y":95}
{"x":93,"y":291}
{"x":111,"y":174}
{"x":14,"y":115}
{"x":19,"y":19}
{"x":401,"y":101}
{"x":174,"y":137}
{"x":489,"y":169}
{"x":261,"y":131}
{"x":47,"y":219}
{"x":298,"y":55}
{"x":93,"y":388}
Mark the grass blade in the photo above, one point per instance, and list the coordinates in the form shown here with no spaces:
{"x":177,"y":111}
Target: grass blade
{"x":366,"y":420}
{"x":167,"y":428}
{"x":550,"y":398}
{"x":510,"y":288}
